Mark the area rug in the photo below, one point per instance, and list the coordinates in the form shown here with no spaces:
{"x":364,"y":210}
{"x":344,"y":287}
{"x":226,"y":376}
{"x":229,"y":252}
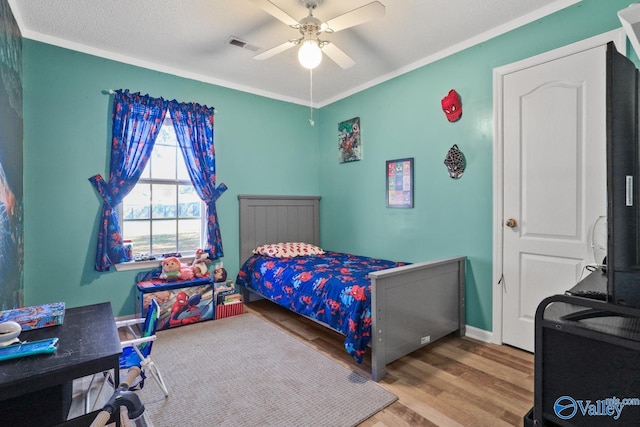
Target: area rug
{"x":243,"y":371}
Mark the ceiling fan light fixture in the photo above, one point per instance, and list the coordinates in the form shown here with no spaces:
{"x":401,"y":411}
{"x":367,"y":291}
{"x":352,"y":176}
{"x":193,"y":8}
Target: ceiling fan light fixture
{"x":309,"y":54}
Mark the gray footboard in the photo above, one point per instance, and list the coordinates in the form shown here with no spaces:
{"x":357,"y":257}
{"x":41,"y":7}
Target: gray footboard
{"x":413,"y":306}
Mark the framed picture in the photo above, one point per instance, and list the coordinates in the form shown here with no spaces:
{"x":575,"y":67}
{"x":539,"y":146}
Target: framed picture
{"x":349,"y":143}
{"x":400,"y":183}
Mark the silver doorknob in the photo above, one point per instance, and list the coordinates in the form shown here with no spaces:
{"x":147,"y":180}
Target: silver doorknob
{"x":511,"y":222}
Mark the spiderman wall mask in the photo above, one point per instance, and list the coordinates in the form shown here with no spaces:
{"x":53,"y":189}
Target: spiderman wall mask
{"x":452,"y":106}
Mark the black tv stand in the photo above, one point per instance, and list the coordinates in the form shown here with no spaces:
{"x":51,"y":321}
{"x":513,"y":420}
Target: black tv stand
{"x":586,"y":350}
{"x":590,"y":313}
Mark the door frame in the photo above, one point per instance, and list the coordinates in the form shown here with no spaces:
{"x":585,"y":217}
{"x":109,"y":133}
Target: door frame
{"x":619,"y":37}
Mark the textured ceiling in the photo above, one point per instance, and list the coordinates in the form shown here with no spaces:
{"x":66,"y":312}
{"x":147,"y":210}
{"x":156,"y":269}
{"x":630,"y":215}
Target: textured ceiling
{"x":190,"y":38}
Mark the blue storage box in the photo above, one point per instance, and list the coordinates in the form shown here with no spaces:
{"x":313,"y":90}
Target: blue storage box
{"x":181,"y":303}
{"x":35,"y":317}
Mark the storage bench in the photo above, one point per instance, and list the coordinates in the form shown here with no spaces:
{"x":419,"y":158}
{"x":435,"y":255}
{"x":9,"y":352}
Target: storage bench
{"x":181,"y":303}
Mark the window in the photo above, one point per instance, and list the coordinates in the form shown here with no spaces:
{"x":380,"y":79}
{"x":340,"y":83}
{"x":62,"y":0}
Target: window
{"x":163,"y":213}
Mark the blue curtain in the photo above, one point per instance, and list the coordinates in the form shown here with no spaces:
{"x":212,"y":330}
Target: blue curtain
{"x":137,"y":120}
{"x":193,"y":124}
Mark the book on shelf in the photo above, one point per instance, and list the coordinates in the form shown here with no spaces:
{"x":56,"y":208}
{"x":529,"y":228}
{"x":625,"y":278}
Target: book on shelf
{"x":231,"y":299}
{"x":227,"y":295}
{"x":223,"y":286}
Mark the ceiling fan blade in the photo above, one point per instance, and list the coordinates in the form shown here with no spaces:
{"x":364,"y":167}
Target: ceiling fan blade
{"x":275,"y":11}
{"x":337,"y":55}
{"x":274,"y":50}
{"x":357,"y":16}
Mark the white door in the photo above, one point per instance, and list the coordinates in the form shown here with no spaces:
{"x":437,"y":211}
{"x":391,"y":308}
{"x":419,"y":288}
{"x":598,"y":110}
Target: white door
{"x":554,"y":171}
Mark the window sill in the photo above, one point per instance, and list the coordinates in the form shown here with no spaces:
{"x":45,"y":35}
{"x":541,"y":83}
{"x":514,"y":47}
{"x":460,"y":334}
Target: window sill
{"x":145,"y":265}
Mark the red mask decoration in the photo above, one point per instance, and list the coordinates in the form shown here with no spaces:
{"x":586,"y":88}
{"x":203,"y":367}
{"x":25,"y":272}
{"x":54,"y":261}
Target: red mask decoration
{"x":452,"y":106}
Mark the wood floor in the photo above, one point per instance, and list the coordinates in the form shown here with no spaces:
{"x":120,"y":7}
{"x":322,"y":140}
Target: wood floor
{"x":452,"y":382}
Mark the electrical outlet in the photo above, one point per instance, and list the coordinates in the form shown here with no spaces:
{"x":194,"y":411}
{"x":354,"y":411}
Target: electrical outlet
{"x":425,"y":340}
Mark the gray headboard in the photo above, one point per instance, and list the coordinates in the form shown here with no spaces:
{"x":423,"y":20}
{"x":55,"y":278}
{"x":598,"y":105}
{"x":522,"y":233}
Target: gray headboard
{"x":274,"y":219}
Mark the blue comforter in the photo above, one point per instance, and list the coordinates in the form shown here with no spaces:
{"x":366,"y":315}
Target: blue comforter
{"x":332,"y":288}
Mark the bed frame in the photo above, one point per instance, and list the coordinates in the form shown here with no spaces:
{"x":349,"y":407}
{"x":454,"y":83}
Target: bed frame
{"x":411,"y":306}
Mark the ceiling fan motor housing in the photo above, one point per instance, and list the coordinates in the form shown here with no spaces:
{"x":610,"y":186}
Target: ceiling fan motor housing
{"x":310,"y":26}
{"x":311,"y":4}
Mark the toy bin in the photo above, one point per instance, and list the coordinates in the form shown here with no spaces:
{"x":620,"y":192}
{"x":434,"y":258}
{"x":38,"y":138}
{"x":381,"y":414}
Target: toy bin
{"x":181,"y":303}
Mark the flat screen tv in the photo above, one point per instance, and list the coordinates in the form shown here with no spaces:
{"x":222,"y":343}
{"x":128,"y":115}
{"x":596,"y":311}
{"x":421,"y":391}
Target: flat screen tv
{"x":623,"y":186}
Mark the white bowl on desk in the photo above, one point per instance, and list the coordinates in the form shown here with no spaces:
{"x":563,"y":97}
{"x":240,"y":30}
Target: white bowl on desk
{"x":9,"y":332}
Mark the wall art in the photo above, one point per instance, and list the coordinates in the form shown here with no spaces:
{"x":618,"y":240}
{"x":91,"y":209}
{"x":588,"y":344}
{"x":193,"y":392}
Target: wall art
{"x":11,"y":164}
{"x":452,"y":106}
{"x":455,"y":162}
{"x":400,"y":183}
{"x":349,"y":142}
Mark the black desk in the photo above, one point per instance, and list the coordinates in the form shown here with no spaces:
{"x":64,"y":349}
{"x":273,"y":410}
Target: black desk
{"x":88,"y":344}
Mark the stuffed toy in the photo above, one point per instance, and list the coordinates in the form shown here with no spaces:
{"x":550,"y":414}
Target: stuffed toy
{"x":173,"y":270}
{"x":219,"y":275}
{"x":201,"y":263}
{"x":452,"y":106}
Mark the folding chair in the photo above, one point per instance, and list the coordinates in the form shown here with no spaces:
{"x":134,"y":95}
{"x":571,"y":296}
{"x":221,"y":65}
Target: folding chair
{"x":137,"y":352}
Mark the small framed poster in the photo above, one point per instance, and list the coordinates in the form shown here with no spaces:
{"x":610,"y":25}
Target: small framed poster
{"x":349,"y":142}
{"x":400,"y":183}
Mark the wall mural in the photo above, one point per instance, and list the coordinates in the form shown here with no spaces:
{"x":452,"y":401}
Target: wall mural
{"x":11,"y":140}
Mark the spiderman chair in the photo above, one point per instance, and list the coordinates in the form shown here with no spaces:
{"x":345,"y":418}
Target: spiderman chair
{"x":137,"y":352}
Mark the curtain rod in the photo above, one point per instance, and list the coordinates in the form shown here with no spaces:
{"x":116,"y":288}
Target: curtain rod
{"x":111,"y":92}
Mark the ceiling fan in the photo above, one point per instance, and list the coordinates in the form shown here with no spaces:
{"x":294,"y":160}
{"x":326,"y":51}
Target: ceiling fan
{"x":310,"y":28}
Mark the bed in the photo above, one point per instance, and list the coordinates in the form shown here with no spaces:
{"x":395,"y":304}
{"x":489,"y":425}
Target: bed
{"x":405,"y":306}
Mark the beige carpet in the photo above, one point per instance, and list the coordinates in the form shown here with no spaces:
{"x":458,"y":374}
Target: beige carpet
{"x":243,"y":371}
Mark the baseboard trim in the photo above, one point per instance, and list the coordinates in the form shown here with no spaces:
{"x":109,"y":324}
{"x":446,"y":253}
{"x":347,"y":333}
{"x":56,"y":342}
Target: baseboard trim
{"x":479,"y":334}
{"x":127,"y":317}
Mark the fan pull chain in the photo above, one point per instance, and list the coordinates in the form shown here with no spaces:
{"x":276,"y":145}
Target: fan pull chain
{"x":311,"y":122}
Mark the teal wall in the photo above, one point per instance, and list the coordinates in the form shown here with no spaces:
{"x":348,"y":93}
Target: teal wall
{"x":267,"y":147}
{"x":403,"y":118}
{"x":263,"y":146}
